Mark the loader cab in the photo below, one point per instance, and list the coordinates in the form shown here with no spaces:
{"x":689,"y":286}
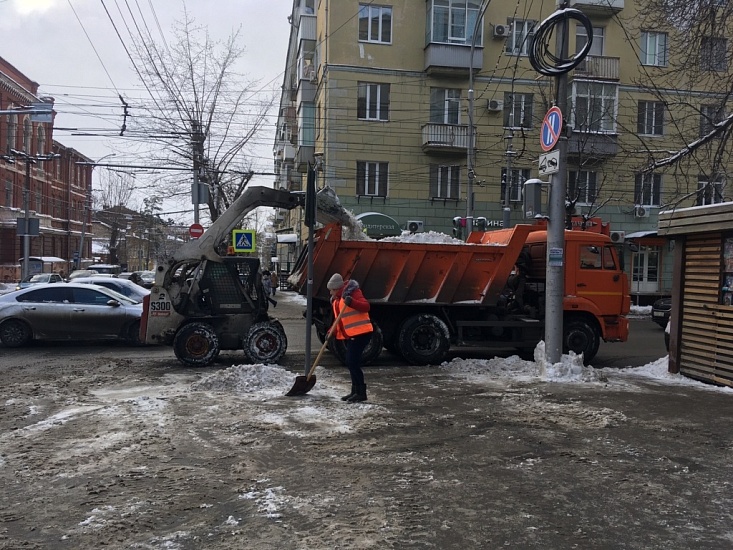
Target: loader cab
{"x":231,"y":286}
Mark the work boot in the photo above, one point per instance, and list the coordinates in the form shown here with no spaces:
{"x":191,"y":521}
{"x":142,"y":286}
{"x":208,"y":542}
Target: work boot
{"x":359,"y":395}
{"x":353,"y":392}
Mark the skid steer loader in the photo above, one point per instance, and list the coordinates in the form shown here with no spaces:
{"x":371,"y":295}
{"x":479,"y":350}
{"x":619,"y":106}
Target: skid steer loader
{"x":202,"y":302}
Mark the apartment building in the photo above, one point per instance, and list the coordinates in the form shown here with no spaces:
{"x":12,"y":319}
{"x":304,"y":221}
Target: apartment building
{"x":45,"y":181}
{"x":376,"y":96}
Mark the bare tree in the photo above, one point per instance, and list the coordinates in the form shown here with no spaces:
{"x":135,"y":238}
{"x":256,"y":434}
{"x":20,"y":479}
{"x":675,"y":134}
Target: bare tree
{"x":110,"y":199}
{"x":202,"y":113}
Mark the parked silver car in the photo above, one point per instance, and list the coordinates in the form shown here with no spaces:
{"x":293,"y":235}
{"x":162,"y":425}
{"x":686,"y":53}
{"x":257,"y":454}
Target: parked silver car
{"x":40,"y":278}
{"x":133,"y":291}
{"x":72,"y":311}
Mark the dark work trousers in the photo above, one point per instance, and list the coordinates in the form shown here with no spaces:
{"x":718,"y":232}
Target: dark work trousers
{"x":354,"y":348}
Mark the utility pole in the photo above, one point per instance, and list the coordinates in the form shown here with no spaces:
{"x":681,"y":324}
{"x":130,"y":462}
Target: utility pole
{"x":198,"y":155}
{"x":556,"y":224}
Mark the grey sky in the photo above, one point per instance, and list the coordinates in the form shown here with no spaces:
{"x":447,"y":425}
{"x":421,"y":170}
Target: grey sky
{"x":44,"y":40}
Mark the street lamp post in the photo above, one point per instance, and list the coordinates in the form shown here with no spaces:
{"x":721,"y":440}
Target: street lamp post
{"x":471,"y":161}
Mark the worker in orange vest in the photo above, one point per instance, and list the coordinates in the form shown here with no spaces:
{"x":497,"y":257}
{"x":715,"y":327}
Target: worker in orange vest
{"x":354,"y":327}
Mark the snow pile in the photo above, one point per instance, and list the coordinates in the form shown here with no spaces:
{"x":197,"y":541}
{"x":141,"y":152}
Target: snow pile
{"x":247,"y":379}
{"x":427,"y":237}
{"x":570,"y":368}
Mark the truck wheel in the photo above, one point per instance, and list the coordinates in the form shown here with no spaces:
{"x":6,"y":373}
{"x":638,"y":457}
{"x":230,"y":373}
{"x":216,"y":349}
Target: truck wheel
{"x":196,"y":344}
{"x":265,"y":343}
{"x":14,"y":333}
{"x":370,"y":353}
{"x":423,"y":340}
{"x":581,"y":337}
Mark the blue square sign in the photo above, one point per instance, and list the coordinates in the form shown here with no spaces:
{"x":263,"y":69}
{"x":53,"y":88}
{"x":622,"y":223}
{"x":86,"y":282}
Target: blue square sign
{"x":243,"y":240}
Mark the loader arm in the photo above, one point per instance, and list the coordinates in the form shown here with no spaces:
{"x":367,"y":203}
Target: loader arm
{"x":253,"y":197}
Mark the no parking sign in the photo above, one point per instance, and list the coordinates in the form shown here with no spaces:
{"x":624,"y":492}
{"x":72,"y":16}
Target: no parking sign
{"x":551,"y":128}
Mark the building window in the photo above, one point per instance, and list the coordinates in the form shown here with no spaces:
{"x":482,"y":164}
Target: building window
{"x":307,"y":125}
{"x":595,"y":106}
{"x":27,"y":135}
{"x":583,"y":186}
{"x":647,"y":189}
{"x":373,"y":101}
{"x":371,"y":179}
{"x":650,"y":118}
{"x":581,"y":38}
{"x":519,"y":39}
{"x":713,"y":54}
{"x":445,"y":106}
{"x":654,"y":50}
{"x":710,"y":191}
{"x":518,"y":110}
{"x":41,"y":142}
{"x":8,"y":193}
{"x":375,"y":24}
{"x":516,"y":183}
{"x":12,"y":132}
{"x":710,"y":115}
{"x":445,"y":181}
{"x":453,"y":21}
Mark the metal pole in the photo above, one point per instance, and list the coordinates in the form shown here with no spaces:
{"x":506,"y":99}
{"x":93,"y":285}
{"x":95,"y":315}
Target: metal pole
{"x":26,"y":215}
{"x":471,"y":170}
{"x":506,"y":210}
{"x":556,"y":224}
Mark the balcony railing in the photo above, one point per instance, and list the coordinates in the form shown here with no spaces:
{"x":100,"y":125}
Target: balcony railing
{"x":452,"y":59}
{"x":445,"y":138}
{"x":600,"y":8}
{"x":598,"y":68}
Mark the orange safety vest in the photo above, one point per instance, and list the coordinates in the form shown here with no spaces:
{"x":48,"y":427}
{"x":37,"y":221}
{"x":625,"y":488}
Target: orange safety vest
{"x":353,"y":322}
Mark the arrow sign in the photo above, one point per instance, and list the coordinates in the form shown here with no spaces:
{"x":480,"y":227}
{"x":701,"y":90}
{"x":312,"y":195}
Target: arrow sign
{"x":551,"y":128}
{"x":243,"y":240}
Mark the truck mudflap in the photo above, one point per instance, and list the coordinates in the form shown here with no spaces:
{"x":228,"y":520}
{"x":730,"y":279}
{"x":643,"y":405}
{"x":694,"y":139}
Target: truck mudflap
{"x":615,"y":328}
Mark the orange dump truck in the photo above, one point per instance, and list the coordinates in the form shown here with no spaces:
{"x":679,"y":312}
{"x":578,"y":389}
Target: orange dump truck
{"x":487,"y":293}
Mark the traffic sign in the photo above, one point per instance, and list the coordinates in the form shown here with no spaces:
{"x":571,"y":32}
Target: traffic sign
{"x":196,"y":230}
{"x":550,"y":163}
{"x":551,"y":128}
{"x":243,"y":240}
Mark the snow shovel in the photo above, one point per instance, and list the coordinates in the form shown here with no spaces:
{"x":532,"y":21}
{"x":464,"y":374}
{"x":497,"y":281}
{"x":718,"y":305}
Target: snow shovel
{"x":304,"y":384}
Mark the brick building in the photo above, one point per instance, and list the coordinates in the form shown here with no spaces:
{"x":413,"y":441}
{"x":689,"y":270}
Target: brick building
{"x":57,"y":189}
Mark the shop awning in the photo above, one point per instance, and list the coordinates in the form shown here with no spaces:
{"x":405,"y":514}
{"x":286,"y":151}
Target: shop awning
{"x":287,"y":238}
{"x":641,"y":234}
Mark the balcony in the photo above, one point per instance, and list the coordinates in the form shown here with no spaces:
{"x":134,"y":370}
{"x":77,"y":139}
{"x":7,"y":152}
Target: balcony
{"x":449,"y":139}
{"x":597,"y":67}
{"x":592,"y":146}
{"x":307,"y":28}
{"x":303,"y":156}
{"x":285,"y":151}
{"x":598,"y":8}
{"x":452,"y":59}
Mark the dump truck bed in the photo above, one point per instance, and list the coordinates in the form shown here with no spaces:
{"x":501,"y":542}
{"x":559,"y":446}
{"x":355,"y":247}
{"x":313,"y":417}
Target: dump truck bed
{"x":404,"y":272}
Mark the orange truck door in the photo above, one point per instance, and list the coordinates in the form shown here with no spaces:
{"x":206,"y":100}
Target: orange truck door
{"x":598,"y":277}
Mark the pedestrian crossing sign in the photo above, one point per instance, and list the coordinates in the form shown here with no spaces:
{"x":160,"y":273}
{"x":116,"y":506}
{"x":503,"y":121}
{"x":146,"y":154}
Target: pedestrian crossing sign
{"x":243,"y":240}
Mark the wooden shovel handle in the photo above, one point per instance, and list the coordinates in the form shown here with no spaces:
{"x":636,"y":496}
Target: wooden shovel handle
{"x":325,"y":343}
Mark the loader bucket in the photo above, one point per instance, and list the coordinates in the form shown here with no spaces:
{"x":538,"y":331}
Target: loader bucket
{"x":329,"y":209}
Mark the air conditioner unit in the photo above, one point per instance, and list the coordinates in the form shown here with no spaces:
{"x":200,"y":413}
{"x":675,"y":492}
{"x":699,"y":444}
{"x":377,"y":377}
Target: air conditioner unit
{"x":415,"y":226}
{"x":495,"y":105}
{"x":501,"y":31}
{"x":618,"y":236}
{"x":641,"y":212}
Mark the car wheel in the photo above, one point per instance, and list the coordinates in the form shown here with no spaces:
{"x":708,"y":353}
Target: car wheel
{"x":14,"y":333}
{"x":133,"y":334}
{"x":424,"y":339}
{"x":196,"y":344}
{"x":370,"y":353}
{"x":265,"y":343}
{"x":581,"y":337}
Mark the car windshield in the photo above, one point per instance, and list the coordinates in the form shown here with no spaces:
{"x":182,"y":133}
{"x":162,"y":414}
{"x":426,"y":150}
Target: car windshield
{"x":119,"y":297}
{"x":40,"y":278}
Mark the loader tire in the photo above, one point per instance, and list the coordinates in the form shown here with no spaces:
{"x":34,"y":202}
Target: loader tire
{"x":424,"y":340}
{"x":580,"y":336}
{"x":370,"y":353}
{"x":196,"y":345}
{"x":265,"y":343}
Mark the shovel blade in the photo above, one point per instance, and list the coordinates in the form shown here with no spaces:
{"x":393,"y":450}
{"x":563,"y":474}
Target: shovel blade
{"x":303,"y":384}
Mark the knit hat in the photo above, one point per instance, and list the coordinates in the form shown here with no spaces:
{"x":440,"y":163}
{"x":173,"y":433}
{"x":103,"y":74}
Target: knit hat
{"x":335,"y":282}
